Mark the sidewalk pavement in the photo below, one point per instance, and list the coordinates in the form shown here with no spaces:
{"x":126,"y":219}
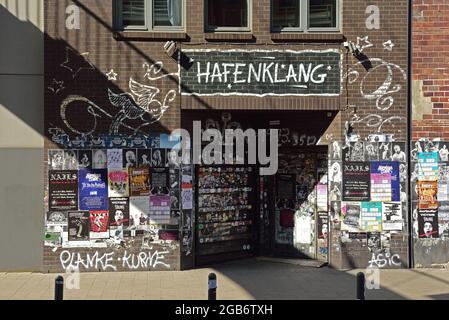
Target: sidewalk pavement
{"x":240,"y":280}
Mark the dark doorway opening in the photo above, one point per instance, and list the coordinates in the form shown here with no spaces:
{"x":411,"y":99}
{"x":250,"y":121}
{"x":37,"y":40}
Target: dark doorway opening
{"x":284,"y":215}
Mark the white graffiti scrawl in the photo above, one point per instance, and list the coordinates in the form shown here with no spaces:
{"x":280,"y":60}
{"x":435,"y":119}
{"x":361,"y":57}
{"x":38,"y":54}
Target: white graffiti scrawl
{"x":147,"y":260}
{"x":141,"y":103}
{"x":76,"y":62}
{"x":56,"y":86}
{"x":384,"y":260}
{"x":112,"y":75}
{"x":383,"y":95}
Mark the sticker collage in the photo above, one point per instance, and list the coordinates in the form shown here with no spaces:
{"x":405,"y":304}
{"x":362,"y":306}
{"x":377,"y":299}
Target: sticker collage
{"x":430,"y":189}
{"x":367,"y":191}
{"x":100,"y":197}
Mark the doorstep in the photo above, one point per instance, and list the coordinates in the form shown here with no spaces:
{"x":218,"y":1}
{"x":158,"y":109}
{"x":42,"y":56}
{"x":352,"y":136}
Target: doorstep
{"x":297,"y":262}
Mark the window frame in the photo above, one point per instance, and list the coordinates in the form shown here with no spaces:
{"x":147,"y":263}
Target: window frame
{"x":149,"y":21}
{"x":209,"y":28}
{"x":304,"y":19}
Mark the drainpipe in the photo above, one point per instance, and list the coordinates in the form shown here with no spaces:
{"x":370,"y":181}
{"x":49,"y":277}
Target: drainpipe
{"x":409,"y":124}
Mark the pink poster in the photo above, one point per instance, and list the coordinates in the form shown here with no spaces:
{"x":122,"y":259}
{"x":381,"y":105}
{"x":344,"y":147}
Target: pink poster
{"x":381,"y":187}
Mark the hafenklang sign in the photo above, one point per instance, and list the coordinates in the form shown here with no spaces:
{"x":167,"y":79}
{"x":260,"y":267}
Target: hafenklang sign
{"x":262,"y":73}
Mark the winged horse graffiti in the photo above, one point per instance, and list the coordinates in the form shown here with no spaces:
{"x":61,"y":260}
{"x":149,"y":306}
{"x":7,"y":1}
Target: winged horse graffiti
{"x":140,"y":103}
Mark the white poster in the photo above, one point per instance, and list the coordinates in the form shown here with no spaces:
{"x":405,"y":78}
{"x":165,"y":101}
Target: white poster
{"x":187,"y":199}
{"x":303,"y":229}
{"x":115,"y":158}
{"x":392,"y":216}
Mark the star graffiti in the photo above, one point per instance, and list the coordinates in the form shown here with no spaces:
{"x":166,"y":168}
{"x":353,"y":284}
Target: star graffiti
{"x":56,"y":86}
{"x":388,"y":45}
{"x":363,"y":43}
{"x":76,"y":62}
{"x":112,"y":75}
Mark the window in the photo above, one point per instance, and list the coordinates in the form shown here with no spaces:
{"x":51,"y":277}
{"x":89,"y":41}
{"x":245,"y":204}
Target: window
{"x":305,"y":15}
{"x":152,"y":15}
{"x":322,"y":13}
{"x":228,"y":15}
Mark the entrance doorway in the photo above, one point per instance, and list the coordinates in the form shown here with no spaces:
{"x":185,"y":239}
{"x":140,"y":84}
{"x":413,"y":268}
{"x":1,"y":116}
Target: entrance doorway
{"x":284,"y":215}
{"x":299,"y":210}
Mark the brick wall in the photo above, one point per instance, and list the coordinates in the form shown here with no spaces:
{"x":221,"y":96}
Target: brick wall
{"x":430,"y":90}
{"x":127,"y":55}
{"x":375,"y":90}
{"x":430,"y":69}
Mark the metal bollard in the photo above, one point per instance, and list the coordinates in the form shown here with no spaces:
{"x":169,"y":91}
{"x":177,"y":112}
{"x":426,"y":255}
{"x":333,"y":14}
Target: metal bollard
{"x":360,"y":286}
{"x":59,"y":288}
{"x":212,"y":293}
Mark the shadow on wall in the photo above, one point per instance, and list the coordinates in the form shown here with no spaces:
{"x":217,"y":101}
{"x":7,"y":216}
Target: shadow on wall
{"x":21,"y":138}
{"x":137,"y":50}
{"x":21,"y":71}
{"x":83,"y":101}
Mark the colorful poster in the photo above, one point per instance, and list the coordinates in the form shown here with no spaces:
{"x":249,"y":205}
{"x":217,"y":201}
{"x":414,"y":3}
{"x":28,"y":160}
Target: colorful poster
{"x":351,"y":216}
{"x":321,"y":191}
{"x":356,"y":181}
{"x":118,"y":183}
{"x":139,"y":209}
{"x":160,"y":209}
{"x":391,"y":168}
{"x":323,"y":225}
{"x":186,"y":179}
{"x":392,"y":219}
{"x":160,"y":204}
{"x":169,"y":235}
{"x":427,"y":194}
{"x":99,"y":224}
{"x":115,"y":159}
{"x":79,"y":225}
{"x":381,"y":187}
{"x":118,"y":212}
{"x":63,"y":190}
{"x":93,"y":189}
{"x":428,"y":166}
{"x":139,"y":182}
{"x":371,"y":216}
{"x":428,"y":223}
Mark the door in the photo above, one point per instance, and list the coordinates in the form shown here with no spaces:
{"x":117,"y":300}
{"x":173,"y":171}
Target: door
{"x":225,"y":213}
{"x":299,"y":206}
